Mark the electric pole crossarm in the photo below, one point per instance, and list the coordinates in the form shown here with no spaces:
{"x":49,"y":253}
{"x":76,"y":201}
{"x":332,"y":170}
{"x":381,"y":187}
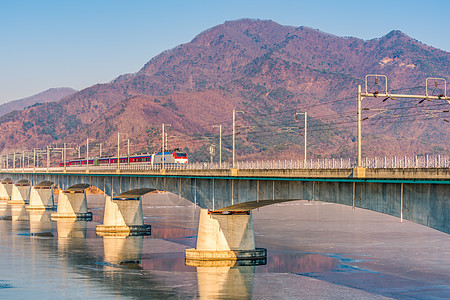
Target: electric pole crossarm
{"x":442,"y":96}
{"x":405,"y":96}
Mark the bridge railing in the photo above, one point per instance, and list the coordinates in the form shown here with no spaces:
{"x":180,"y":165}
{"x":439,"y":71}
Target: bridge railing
{"x":426,"y":161}
{"x":436,"y":161}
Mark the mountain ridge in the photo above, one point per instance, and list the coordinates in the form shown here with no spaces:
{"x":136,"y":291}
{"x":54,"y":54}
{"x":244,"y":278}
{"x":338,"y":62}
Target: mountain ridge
{"x":262,"y":68}
{"x":49,"y":95}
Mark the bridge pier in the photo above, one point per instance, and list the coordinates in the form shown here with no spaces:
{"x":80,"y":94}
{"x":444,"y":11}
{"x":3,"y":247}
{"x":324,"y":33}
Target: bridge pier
{"x":6,"y":189}
{"x":123,"y":215}
{"x":72,"y":203}
{"x":41,"y":197}
{"x":225,"y":235}
{"x":20,"y":192}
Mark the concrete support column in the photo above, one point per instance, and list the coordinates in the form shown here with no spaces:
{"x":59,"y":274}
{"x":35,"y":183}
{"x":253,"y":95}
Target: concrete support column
{"x":72,"y":204}
{"x":20,"y":193}
{"x":123,"y":216}
{"x":41,"y":198}
{"x":6,"y":190}
{"x":225,"y":236}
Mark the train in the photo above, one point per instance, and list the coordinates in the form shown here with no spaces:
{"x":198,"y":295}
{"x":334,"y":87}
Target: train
{"x":170,"y":157}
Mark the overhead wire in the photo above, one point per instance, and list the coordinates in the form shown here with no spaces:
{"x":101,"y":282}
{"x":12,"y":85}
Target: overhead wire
{"x":263,"y":126}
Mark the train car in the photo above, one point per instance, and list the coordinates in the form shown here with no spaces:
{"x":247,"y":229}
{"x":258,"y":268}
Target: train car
{"x":122,"y":160}
{"x":144,"y":158}
{"x":170,"y":157}
{"x":77,"y":162}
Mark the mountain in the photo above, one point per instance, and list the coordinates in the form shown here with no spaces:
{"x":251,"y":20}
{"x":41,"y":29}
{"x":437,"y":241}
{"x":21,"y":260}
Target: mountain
{"x":268,"y":71}
{"x":50,"y":95}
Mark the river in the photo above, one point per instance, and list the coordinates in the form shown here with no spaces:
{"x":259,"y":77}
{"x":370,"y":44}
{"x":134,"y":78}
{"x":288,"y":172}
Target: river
{"x":316,"y":250}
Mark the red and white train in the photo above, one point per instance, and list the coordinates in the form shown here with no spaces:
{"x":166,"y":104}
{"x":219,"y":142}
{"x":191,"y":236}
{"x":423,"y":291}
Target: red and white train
{"x":170,"y":157}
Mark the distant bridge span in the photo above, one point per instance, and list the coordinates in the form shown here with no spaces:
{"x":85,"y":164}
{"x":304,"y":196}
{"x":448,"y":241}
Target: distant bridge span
{"x":418,"y":195}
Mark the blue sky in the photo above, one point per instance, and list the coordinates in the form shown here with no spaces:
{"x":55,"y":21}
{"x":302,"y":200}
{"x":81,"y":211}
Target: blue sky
{"x":45,"y":44}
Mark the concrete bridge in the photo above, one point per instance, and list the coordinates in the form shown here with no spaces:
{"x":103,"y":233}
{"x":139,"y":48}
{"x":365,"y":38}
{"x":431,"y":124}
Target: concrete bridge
{"x":421,"y":195}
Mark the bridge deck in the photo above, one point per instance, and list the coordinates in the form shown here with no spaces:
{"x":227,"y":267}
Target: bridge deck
{"x":437,"y":174}
{"x":417,"y":194}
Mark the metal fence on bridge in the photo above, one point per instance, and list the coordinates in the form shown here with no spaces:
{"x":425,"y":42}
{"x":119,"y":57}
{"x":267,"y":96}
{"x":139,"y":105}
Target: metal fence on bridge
{"x":436,"y":161}
{"x":427,"y":161}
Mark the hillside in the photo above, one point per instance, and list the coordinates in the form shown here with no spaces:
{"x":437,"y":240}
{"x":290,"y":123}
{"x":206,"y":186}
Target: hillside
{"x":270,"y":72}
{"x":50,"y":95}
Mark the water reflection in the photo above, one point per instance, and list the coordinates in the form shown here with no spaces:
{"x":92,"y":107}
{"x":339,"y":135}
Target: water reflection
{"x":3,"y":208}
{"x":18,"y":212}
{"x":225,"y":279}
{"x":299,"y":263}
{"x":69,"y":231}
{"x":277,"y":262}
{"x":79,"y":264}
{"x":40,"y":223}
{"x":168,"y":262}
{"x":71,"y":228}
{"x":123,"y":250}
{"x":121,"y":257}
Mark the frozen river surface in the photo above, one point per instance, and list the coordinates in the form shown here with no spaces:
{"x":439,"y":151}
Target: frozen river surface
{"x":315,"y":251}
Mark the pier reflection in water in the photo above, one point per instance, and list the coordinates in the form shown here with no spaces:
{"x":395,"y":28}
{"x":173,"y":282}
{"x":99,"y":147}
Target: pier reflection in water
{"x":225,"y":279}
{"x":71,"y":228}
{"x":40,"y":223}
{"x":18,"y":212}
{"x":3,"y":207}
{"x":123,"y":250}
{"x":80,"y":264}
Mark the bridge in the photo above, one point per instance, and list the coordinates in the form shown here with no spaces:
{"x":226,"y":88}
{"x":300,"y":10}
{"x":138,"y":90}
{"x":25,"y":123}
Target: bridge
{"x":228,"y":195}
